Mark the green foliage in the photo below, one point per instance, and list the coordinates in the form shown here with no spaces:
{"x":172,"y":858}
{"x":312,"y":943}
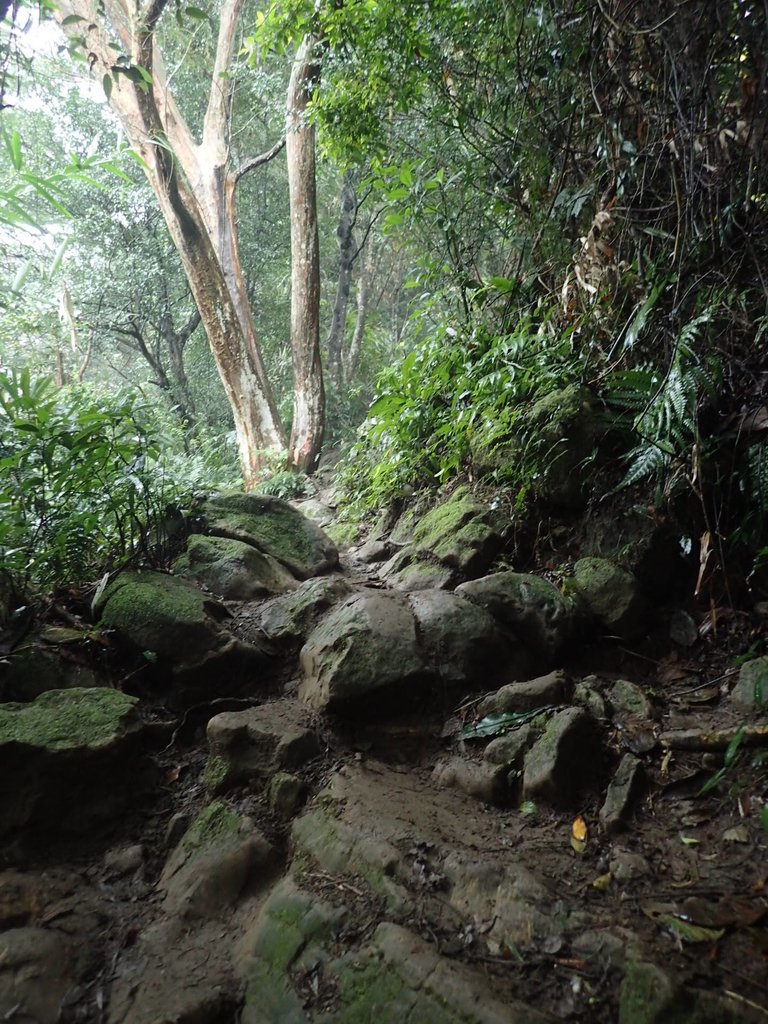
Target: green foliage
{"x":197,"y":460}
{"x":284,"y":483}
{"x":664,"y":405}
{"x":458,"y":387}
{"x":80,"y":485}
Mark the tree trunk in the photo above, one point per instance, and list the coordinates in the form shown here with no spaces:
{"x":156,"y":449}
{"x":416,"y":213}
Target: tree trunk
{"x":345,"y":235}
{"x":308,"y":393}
{"x":352,"y":360}
{"x":195,"y":191}
{"x":175,"y":342}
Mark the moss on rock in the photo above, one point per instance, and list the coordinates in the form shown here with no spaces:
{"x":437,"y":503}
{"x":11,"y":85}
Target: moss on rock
{"x":160,"y":613}
{"x":461,"y":533}
{"x":233,"y":569}
{"x":67,"y":719}
{"x":274,"y":527}
{"x":215,"y":823}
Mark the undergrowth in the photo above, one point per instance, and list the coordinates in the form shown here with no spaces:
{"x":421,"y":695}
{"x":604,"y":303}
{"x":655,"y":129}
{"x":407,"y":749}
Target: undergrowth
{"x":82,"y":482}
{"x":460,"y":389}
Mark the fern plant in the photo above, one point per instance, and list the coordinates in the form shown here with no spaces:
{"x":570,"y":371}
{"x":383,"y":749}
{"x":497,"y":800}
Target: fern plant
{"x":664,"y":406}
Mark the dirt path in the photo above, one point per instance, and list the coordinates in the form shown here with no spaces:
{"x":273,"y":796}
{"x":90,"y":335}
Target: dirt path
{"x":372,"y":889}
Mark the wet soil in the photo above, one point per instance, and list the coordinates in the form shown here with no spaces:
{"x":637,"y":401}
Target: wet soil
{"x":684,"y":884}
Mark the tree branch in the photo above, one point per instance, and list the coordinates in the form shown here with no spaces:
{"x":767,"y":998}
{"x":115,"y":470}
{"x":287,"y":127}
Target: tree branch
{"x":257,"y":161}
{"x":217,"y":113}
{"x":150,"y":14}
{"x":189,"y":328}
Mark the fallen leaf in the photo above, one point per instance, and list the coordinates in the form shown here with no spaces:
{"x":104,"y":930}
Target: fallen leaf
{"x":602,"y":882}
{"x":737,"y":834}
{"x":579,"y":835}
{"x":690,"y":932}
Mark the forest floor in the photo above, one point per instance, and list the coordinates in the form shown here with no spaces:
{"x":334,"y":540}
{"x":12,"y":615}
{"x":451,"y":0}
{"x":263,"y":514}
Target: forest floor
{"x":681,"y":887}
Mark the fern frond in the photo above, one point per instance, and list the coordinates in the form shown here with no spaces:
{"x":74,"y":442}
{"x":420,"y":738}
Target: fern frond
{"x":645,"y":460}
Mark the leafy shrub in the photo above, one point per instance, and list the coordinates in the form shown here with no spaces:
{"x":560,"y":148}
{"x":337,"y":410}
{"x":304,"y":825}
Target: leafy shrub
{"x":199,"y":460}
{"x":284,"y":483}
{"x":80,"y":482}
{"x":457,"y":388}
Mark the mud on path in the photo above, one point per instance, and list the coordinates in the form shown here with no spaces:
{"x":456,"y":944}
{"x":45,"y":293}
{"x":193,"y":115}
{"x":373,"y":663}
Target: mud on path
{"x":367,"y":869}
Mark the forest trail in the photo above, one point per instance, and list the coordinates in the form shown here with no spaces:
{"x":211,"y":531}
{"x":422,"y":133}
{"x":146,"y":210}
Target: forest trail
{"x":535,"y":851}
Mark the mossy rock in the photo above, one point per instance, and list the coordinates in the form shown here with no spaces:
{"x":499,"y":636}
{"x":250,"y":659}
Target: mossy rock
{"x":255,"y":744}
{"x":291,"y":617}
{"x":406,"y":572}
{"x":541,"y":616}
{"x":461,"y":534}
{"x":273,"y":527}
{"x":648,"y":544}
{"x":166,"y":615}
{"x":401,"y":977}
{"x":291,"y":934}
{"x":557,"y":437}
{"x":365,"y":648}
{"x":35,"y":667}
{"x":69,"y":758}
{"x":612,"y":595}
{"x":220,"y":855}
{"x":751,"y":689}
{"x":650,"y":995}
{"x":232,"y":569}
{"x":67,"y":719}
{"x":564,"y":761}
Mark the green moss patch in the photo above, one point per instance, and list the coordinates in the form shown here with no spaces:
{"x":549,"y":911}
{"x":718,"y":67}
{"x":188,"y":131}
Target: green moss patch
{"x":274,"y":527}
{"x":67,"y":719}
{"x":214,"y":824}
{"x":160,"y":613}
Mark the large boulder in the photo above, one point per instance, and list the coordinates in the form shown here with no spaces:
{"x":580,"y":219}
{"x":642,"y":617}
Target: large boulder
{"x":611,"y":594}
{"x":273,"y":527}
{"x":232,"y":569}
{"x":70,"y":758}
{"x":461,"y":533}
{"x":291,"y":617}
{"x":462,"y":641}
{"x":539,"y":614}
{"x":365,"y":648}
{"x":181,"y":631}
{"x":165,"y":615}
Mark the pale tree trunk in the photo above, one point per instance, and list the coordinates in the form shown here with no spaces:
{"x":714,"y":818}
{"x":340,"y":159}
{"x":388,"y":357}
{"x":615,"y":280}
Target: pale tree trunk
{"x":195,"y":190}
{"x":346,"y":239}
{"x":352,"y":360}
{"x":308,"y":394}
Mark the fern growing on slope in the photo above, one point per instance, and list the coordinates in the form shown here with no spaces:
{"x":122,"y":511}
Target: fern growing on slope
{"x":665,"y":407}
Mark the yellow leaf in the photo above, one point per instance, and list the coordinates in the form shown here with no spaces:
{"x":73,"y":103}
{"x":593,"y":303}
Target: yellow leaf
{"x":579,"y":829}
{"x":579,"y":835}
{"x":602,"y":882}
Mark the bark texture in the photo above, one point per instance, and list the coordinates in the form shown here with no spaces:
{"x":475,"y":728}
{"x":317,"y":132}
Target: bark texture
{"x":309,"y":393}
{"x":347,"y":253}
{"x":195,"y":188}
